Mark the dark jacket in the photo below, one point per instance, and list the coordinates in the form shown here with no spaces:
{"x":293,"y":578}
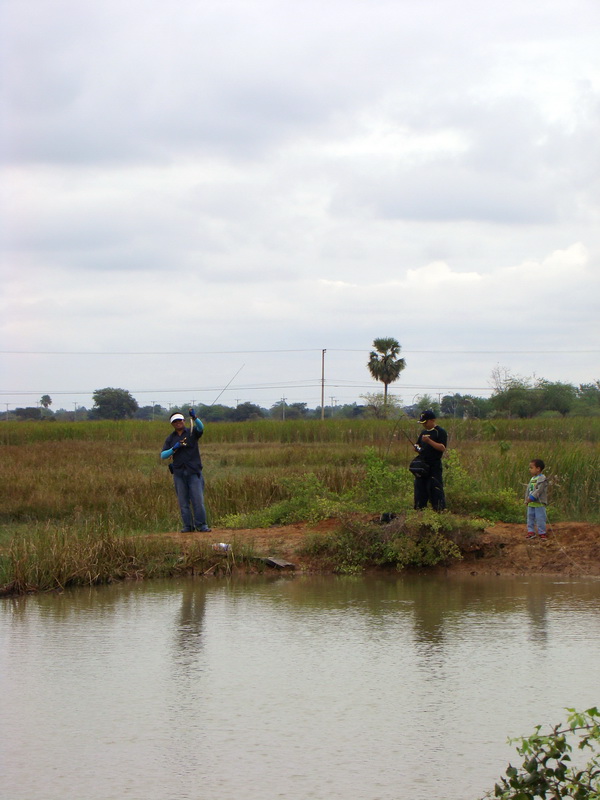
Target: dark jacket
{"x":188,"y":456}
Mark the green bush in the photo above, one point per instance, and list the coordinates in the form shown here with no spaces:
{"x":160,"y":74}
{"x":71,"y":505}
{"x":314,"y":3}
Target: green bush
{"x":308,"y":500}
{"x":547,"y":770}
{"x":416,"y":539}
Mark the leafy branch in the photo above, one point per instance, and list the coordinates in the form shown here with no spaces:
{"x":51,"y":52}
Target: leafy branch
{"x":547,"y":770}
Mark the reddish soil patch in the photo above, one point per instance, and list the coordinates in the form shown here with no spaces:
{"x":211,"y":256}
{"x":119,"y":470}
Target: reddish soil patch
{"x":572,"y":548}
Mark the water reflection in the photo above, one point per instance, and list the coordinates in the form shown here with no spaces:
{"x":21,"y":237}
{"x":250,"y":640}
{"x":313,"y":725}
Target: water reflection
{"x":287,"y":687}
{"x":188,"y":627}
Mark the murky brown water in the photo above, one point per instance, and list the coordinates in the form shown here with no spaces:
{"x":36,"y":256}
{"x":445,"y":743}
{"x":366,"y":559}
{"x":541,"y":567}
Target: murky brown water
{"x":296,"y":688}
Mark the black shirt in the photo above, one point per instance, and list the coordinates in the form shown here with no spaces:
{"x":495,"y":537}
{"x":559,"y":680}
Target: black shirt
{"x":429,"y":453}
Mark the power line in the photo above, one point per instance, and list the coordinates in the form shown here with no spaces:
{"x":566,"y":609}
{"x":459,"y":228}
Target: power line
{"x":254,"y":387}
{"x":149,"y":352}
{"x":299,"y":350}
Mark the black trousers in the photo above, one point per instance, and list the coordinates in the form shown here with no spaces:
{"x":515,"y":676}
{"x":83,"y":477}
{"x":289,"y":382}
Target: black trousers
{"x":431,"y":490}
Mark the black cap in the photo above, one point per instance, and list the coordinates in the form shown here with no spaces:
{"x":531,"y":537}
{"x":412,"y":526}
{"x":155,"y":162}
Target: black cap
{"x":427,"y":415}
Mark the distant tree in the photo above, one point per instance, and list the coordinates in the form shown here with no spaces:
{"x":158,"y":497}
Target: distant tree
{"x":350,"y":411}
{"x":46,"y":401}
{"x":151,"y":412}
{"x":246,"y":411}
{"x":517,"y":399}
{"x":112,"y":403}
{"x":384,"y":364}
{"x":66,"y":415}
{"x":587,"y":401}
{"x":556,"y":396}
{"x":379,"y":406}
{"x":478,"y":407}
{"x":298,"y":410}
{"x":283,"y":410}
{"x":589,"y":391}
{"x":214,"y":413}
{"x":28,"y":413}
{"x":500,"y":378}
{"x":464,"y":406}
{"x":425,"y":402}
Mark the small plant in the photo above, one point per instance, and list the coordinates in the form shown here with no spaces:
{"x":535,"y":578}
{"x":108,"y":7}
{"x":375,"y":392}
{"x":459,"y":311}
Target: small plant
{"x":405,"y":542}
{"x":384,"y":486}
{"x":547,"y":770}
{"x":465,"y":497}
{"x":308,"y":500}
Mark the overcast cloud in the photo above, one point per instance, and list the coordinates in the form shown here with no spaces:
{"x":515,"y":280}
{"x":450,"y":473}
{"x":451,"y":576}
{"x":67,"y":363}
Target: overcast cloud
{"x":259,"y":176}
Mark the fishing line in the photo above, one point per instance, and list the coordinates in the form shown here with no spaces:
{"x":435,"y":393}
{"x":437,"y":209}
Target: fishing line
{"x":225,"y":387}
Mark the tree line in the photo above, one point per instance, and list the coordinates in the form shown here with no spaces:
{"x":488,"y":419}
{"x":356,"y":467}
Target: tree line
{"x":512,"y":397}
{"x":517,"y":400}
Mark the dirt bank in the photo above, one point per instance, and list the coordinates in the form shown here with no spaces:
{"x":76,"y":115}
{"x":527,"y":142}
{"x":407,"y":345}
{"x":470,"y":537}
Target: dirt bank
{"x":572,"y":548}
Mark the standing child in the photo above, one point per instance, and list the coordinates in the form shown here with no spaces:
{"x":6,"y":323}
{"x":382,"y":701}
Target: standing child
{"x":536,"y":499}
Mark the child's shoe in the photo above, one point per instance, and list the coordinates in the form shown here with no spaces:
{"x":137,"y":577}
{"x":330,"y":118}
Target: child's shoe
{"x":530,"y":535}
{"x":543,"y":536}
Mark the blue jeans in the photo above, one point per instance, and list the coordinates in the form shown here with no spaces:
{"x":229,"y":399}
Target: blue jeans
{"x":190,"y":491}
{"x":536,"y":515}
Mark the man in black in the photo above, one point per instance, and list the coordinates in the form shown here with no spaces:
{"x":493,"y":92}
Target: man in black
{"x":431,"y":446}
{"x":182,"y":446}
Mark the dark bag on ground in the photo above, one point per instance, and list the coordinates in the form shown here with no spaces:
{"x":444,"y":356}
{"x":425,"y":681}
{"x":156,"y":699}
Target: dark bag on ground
{"x":419,"y":467}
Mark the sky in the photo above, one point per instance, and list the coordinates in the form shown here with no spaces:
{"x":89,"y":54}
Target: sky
{"x":198,"y":199}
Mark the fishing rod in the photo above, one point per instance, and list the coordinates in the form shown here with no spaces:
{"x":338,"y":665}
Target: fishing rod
{"x":219,"y":395}
{"x":402,"y":430}
{"x":227,"y":386}
{"x":212,"y":404}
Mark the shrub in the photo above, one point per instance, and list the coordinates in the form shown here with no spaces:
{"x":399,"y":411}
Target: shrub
{"x":412,"y":540}
{"x":547,"y":770}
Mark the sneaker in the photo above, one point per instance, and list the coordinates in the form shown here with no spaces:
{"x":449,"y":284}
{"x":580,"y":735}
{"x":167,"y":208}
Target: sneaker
{"x":186,"y":530}
{"x":204,"y":529}
{"x":530,"y":535}
{"x":543,"y":536}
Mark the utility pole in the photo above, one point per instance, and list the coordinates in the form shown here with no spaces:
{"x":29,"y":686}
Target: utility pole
{"x":283,"y":399}
{"x":323,"y":383}
{"x":153,"y":404}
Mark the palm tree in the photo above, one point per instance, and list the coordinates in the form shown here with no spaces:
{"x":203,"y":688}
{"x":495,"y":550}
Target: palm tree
{"x":384,"y":364}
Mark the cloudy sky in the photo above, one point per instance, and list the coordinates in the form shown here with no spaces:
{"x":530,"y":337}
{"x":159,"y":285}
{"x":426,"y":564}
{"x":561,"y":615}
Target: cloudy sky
{"x":194,"y":190}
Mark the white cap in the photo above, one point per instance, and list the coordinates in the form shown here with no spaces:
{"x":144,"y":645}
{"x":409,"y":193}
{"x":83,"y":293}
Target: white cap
{"x":176,"y":416}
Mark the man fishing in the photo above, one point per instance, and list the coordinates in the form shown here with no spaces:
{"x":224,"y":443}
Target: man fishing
{"x":431,"y":446}
{"x":182,"y":445}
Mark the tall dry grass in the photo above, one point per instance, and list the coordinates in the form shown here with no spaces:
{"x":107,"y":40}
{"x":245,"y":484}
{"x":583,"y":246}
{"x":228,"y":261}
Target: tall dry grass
{"x":110,"y":474}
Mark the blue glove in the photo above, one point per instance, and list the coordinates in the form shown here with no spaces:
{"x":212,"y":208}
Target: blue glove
{"x":192,"y":413}
{"x":176,"y":446}
{"x":532,"y":499}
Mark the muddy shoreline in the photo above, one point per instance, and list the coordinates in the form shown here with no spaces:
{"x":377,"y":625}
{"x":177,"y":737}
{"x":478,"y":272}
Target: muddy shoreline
{"x":572,"y":549}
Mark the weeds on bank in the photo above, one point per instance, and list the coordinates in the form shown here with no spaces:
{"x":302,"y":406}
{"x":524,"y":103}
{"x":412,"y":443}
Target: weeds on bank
{"x":416,"y":539}
{"x":54,"y":559}
{"x":383,"y":488}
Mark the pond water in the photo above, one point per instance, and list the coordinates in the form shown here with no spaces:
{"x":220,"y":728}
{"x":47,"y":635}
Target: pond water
{"x":361,"y":688}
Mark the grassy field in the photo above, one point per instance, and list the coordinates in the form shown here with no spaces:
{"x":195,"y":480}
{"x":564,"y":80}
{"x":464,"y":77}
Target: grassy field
{"x":96,"y":478}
